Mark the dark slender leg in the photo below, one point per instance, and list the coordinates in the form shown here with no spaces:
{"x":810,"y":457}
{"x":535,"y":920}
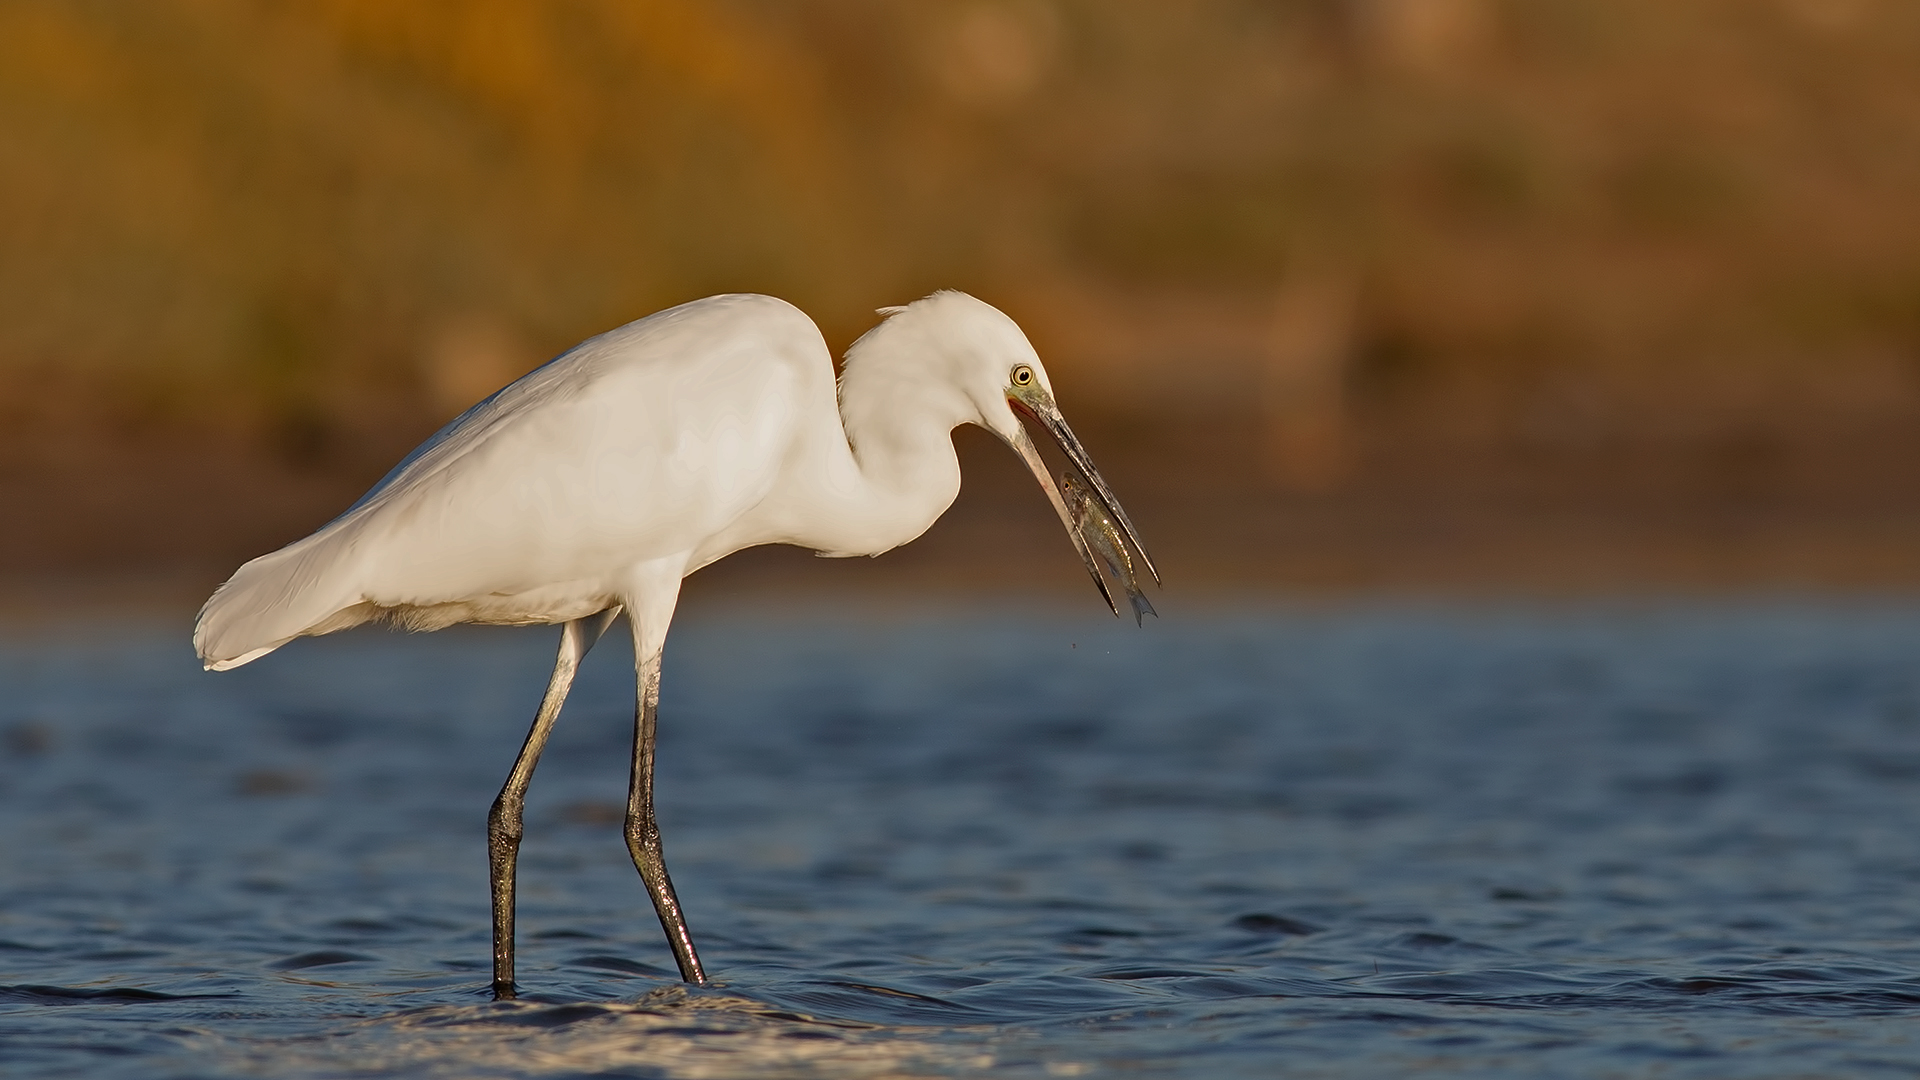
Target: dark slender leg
{"x":643,"y":836}
{"x":503,"y":822}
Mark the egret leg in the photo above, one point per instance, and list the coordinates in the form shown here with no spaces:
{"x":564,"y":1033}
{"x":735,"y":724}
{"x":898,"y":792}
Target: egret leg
{"x":643,"y":835}
{"x":503,"y":821}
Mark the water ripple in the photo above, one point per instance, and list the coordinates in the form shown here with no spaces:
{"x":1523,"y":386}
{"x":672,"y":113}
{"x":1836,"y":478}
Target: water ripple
{"x":1675,"y":841}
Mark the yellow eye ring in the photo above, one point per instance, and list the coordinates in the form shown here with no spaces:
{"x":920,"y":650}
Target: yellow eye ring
{"x":1022,"y":375}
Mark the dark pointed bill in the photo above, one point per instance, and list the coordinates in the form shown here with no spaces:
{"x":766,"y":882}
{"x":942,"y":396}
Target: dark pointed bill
{"x":1036,"y":404}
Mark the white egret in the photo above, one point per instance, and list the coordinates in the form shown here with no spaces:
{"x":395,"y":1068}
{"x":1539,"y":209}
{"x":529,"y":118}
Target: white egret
{"x":594,"y":484}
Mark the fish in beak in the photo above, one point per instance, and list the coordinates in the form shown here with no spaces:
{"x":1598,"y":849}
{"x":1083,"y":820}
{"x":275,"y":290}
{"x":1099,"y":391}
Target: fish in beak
{"x":1094,"y":519}
{"x":1097,"y":528}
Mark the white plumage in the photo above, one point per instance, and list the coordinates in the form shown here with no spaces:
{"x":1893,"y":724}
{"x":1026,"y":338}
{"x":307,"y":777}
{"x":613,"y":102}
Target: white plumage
{"x":597,"y":482}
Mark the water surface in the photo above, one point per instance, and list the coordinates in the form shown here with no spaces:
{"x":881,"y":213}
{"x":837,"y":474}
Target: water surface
{"x":1666,"y":840}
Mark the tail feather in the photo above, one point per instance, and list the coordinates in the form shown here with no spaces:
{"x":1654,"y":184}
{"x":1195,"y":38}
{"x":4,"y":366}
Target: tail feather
{"x":299,"y":590}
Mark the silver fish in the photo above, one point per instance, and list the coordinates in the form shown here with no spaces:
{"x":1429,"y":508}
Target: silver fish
{"x":1103,"y":536}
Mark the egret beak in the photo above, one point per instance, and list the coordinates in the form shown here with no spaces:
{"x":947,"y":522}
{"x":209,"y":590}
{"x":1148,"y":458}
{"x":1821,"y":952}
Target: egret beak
{"x":1035,"y":403}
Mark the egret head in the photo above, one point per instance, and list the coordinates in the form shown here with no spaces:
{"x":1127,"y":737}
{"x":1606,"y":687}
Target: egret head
{"x":982,"y":355}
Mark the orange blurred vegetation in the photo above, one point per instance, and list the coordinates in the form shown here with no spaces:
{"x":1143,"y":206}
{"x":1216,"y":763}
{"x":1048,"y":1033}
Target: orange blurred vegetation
{"x":1332,"y":280}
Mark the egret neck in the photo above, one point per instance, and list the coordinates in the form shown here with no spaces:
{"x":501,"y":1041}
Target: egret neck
{"x":895,"y":471}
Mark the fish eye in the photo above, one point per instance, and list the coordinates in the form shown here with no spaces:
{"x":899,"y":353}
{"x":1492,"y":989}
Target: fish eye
{"x":1022,"y":375}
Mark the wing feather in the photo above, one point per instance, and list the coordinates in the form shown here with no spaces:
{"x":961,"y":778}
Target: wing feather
{"x":646,"y":437}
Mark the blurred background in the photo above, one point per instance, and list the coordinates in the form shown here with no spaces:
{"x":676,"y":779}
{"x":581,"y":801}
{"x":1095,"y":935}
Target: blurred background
{"x":1493,"y":295}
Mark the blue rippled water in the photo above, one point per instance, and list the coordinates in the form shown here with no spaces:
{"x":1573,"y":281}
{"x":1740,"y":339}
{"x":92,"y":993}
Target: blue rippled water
{"x":1674,"y":841}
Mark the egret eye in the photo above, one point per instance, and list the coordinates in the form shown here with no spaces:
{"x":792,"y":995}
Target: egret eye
{"x":1022,"y":375}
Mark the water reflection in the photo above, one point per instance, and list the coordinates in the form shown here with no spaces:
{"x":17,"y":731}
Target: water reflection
{"x":670,"y":1031}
